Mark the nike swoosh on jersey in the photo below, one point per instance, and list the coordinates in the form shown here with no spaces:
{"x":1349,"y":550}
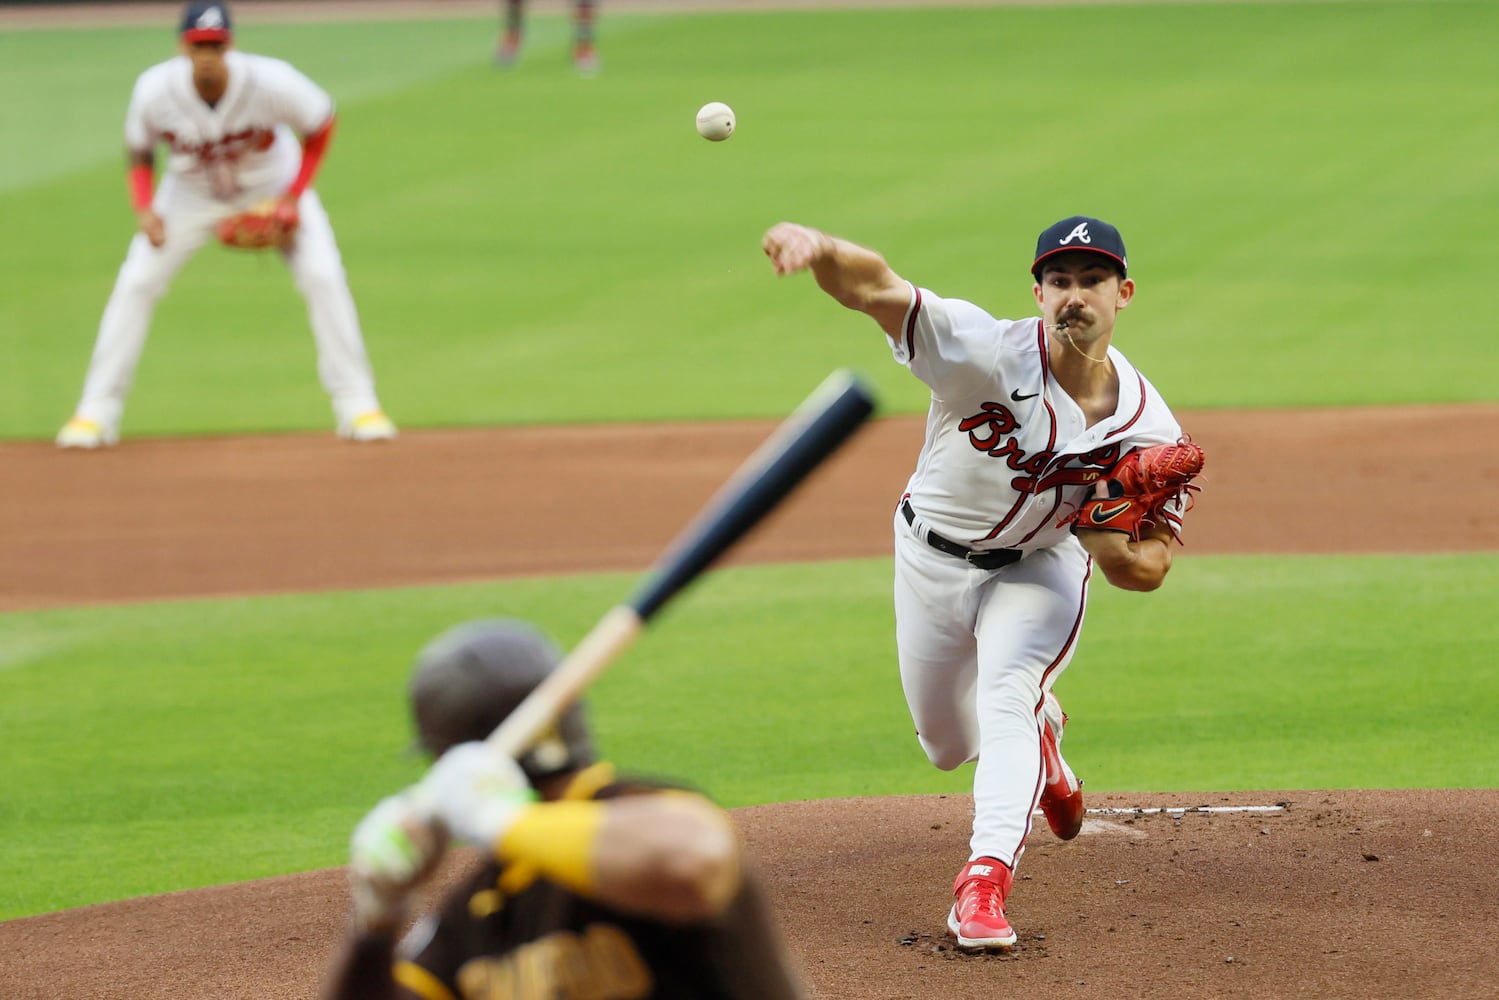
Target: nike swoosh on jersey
{"x":1017,"y":397}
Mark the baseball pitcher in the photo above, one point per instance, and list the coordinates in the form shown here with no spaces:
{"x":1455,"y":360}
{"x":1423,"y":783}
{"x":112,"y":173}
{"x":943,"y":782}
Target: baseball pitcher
{"x":236,"y":171}
{"x":1046,"y":455}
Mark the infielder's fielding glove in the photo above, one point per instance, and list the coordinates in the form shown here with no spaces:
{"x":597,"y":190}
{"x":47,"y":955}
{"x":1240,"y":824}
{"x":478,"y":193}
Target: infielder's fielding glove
{"x":1140,"y":486}
{"x":270,"y":223}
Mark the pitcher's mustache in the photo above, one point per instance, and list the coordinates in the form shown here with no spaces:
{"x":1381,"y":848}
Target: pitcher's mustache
{"x":1065,"y":318}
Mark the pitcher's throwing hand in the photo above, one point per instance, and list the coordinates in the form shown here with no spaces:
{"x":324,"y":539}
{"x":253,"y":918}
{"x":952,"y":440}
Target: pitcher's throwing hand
{"x":793,"y":248}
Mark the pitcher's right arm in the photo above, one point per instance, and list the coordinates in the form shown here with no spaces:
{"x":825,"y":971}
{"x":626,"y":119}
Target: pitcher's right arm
{"x":859,"y":278}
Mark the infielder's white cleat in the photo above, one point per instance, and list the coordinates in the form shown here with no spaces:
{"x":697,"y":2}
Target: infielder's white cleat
{"x":83,"y":433}
{"x":371,"y":426}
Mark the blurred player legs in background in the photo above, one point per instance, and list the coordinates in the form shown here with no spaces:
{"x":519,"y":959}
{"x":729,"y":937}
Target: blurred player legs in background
{"x":512,"y":34}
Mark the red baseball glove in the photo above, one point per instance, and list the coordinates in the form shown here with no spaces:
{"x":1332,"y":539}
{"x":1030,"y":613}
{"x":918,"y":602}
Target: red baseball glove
{"x":270,"y":223}
{"x":1139,"y":487}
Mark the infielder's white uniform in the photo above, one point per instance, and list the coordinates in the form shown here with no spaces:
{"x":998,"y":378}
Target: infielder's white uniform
{"x":1008,"y":454}
{"x":223,"y":160}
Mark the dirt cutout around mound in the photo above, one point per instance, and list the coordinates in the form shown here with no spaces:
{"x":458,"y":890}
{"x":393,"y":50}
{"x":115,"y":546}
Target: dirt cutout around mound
{"x":1331,"y":895}
{"x":1338,"y":894}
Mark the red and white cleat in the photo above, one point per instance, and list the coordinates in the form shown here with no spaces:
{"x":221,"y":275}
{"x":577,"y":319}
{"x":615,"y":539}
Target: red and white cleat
{"x":1062,"y":795}
{"x":977,"y":918}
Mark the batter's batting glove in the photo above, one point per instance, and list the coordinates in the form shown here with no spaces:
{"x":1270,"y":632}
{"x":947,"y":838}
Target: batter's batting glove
{"x":477,"y":793}
{"x":393,"y":849}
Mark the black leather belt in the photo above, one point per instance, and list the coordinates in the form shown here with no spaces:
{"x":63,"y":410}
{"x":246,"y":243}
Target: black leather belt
{"x":982,"y":558}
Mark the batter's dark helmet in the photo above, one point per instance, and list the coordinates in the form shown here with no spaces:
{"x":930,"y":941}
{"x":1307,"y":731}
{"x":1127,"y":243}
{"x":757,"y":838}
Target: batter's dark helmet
{"x":468,"y":679}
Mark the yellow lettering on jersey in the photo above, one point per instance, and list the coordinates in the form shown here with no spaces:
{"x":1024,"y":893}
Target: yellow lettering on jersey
{"x":601,"y":964}
{"x":532,"y":965}
{"x":615,"y":959}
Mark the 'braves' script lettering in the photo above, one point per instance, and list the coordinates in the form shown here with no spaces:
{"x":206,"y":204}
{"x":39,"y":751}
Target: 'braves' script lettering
{"x":991,"y":431}
{"x":985,"y":429}
{"x":230,"y":147}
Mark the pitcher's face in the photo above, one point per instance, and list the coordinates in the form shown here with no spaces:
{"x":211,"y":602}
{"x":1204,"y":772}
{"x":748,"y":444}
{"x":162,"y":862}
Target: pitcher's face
{"x":1082,"y":292}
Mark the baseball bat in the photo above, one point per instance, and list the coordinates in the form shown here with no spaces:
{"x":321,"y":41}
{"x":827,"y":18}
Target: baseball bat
{"x":817,"y":428}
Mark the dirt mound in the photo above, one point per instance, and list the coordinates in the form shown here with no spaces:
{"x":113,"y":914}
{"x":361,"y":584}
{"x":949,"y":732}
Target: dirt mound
{"x":1336,"y":894}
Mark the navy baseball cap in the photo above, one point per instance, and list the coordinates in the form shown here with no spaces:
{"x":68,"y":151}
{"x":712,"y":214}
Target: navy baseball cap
{"x":1080,"y":232}
{"x":206,"y":21}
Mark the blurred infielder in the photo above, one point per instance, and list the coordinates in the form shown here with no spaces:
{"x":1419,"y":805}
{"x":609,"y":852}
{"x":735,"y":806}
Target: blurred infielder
{"x":1046,"y":452}
{"x":236,"y":168}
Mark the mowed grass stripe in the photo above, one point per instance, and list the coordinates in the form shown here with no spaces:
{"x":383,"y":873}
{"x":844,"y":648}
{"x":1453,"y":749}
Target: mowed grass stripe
{"x":158,"y":747}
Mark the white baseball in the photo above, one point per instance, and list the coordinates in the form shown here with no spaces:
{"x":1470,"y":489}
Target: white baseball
{"x":715,"y":121}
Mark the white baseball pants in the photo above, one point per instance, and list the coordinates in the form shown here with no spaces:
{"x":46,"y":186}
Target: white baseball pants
{"x":190,"y":216}
{"x":978,"y":651}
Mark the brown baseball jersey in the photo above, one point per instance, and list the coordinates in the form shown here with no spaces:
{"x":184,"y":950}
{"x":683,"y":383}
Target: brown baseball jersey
{"x":506,"y":932}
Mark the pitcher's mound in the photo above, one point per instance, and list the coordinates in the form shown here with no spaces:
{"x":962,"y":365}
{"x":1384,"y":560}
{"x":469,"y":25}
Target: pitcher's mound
{"x":1334,"y":894}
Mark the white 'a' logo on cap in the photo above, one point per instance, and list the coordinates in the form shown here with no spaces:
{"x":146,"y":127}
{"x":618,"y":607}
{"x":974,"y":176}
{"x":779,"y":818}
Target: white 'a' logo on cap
{"x":1079,"y":232}
{"x":211,"y":18}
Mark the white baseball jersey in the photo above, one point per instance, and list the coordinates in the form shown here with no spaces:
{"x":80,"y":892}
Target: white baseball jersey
{"x":1008,"y":454}
{"x":245,"y":141}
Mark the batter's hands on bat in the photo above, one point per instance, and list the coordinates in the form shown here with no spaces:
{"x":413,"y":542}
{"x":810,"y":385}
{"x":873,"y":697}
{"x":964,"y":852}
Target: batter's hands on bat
{"x":393,"y":849}
{"x":792,"y":247}
{"x":476,"y":792}
{"x":150,"y":223}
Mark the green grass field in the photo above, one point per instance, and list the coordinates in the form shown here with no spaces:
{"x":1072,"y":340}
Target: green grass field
{"x":530,"y":247}
{"x":1299,"y":185}
{"x":191,"y":743}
